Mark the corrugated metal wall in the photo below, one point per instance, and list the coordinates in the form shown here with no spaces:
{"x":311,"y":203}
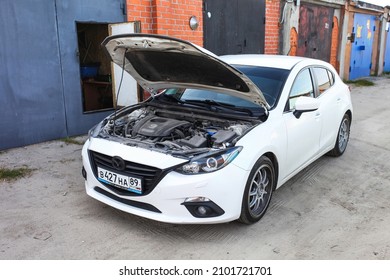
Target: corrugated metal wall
{"x":40,"y":93}
{"x":31,"y":96}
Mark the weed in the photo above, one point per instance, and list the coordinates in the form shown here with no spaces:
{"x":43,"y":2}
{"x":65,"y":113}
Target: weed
{"x":361,"y":83}
{"x":14,"y":173}
{"x":69,"y":140}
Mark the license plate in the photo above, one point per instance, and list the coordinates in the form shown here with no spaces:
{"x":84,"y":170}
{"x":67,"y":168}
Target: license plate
{"x":129,"y":183}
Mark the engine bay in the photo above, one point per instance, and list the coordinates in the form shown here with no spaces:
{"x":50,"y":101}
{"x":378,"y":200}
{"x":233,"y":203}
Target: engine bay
{"x":173,"y":132}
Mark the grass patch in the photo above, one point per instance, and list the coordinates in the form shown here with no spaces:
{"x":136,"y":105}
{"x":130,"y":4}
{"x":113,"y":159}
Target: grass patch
{"x":15,"y":173}
{"x":361,"y":83}
{"x":69,"y":140}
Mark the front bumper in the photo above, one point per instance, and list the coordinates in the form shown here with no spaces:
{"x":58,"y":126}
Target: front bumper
{"x":164,"y":203}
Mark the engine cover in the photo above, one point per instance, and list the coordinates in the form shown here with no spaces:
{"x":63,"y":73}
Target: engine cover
{"x":157,"y":126}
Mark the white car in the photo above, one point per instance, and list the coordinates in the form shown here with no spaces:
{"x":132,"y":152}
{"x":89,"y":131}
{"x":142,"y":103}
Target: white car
{"x":218,"y":135}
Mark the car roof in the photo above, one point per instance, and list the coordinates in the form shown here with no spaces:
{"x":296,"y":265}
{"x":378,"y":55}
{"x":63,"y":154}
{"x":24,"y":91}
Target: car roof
{"x":274,"y":61}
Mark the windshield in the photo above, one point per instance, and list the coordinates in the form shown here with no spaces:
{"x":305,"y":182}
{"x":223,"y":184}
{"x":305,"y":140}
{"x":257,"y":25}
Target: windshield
{"x":269,"y":80}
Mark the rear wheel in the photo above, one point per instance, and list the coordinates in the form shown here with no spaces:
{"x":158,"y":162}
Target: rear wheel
{"x":258,"y":191}
{"x":342,"y":137}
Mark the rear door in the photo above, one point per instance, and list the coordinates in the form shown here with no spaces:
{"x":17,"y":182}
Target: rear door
{"x":330,"y":100}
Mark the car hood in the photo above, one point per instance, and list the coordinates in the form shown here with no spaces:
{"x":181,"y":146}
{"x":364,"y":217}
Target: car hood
{"x":159,"y":62}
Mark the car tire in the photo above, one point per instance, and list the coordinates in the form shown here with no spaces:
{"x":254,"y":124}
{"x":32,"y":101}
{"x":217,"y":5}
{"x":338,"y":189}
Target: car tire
{"x":342,"y":137}
{"x":258,"y":191}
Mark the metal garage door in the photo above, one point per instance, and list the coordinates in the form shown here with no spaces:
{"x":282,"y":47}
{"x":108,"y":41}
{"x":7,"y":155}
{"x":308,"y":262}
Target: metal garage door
{"x":387,"y":53}
{"x":40,"y":93}
{"x":68,"y":13}
{"x":315,"y":31}
{"x":234,"y":26}
{"x":361,"y":48}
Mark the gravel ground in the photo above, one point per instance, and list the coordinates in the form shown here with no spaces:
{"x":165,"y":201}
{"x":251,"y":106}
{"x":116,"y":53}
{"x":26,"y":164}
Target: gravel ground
{"x":337,"y":208}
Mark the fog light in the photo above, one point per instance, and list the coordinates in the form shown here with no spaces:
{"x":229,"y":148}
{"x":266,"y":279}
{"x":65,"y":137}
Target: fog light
{"x":202,"y":207}
{"x":202,"y":211}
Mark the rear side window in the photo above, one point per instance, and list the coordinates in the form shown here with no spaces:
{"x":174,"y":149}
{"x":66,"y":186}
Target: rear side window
{"x":324,"y":77}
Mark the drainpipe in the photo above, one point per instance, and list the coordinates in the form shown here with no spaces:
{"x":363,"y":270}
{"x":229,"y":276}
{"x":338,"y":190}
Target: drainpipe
{"x":289,"y":19}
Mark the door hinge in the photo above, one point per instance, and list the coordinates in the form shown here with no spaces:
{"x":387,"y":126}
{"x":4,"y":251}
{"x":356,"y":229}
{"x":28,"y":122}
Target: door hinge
{"x":349,"y":69}
{"x":123,"y":8}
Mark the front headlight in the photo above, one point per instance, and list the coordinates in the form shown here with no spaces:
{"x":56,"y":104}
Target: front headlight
{"x":210,"y":162}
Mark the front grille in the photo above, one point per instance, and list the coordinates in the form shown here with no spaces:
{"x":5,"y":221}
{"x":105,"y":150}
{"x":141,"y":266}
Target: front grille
{"x":151,"y":175}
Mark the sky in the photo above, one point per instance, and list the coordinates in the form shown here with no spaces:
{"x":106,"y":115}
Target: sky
{"x":378,"y":2}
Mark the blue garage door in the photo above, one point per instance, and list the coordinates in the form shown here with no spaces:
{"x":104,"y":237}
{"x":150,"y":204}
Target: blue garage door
{"x":387,"y":53}
{"x":40,"y":93}
{"x":69,"y":13}
{"x":361,"y":52}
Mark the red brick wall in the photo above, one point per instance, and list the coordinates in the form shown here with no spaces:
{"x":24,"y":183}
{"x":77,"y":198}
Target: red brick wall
{"x":168,"y":17}
{"x":293,"y":42}
{"x":141,"y":10}
{"x":334,"y":44}
{"x":271,"y":26}
{"x":171,"y":17}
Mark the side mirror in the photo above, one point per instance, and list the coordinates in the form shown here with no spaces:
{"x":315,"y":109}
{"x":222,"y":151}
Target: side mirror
{"x":305,"y":104}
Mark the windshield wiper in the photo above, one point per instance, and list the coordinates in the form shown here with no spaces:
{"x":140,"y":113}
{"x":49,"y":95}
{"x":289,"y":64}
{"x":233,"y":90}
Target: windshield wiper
{"x":220,"y":104}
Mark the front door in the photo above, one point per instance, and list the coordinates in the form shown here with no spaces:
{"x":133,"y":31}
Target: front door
{"x":303,"y":134}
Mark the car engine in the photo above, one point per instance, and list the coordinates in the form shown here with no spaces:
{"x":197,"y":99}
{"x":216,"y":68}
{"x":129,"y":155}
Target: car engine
{"x":170,"y":131}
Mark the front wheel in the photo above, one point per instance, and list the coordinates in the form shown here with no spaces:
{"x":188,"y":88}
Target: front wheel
{"x":258,"y":191}
{"x":342,"y":137}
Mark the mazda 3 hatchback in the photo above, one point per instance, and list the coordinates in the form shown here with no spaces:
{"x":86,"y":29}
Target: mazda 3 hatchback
{"x":218,"y":134}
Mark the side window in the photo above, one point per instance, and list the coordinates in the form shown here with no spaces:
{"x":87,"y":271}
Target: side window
{"x":323,"y":79}
{"x":303,"y":86}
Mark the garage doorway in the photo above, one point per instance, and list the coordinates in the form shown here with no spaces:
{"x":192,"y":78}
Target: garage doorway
{"x":95,"y":67}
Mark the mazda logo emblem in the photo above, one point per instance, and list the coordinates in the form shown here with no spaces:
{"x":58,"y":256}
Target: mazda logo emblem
{"x":118,"y":163}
